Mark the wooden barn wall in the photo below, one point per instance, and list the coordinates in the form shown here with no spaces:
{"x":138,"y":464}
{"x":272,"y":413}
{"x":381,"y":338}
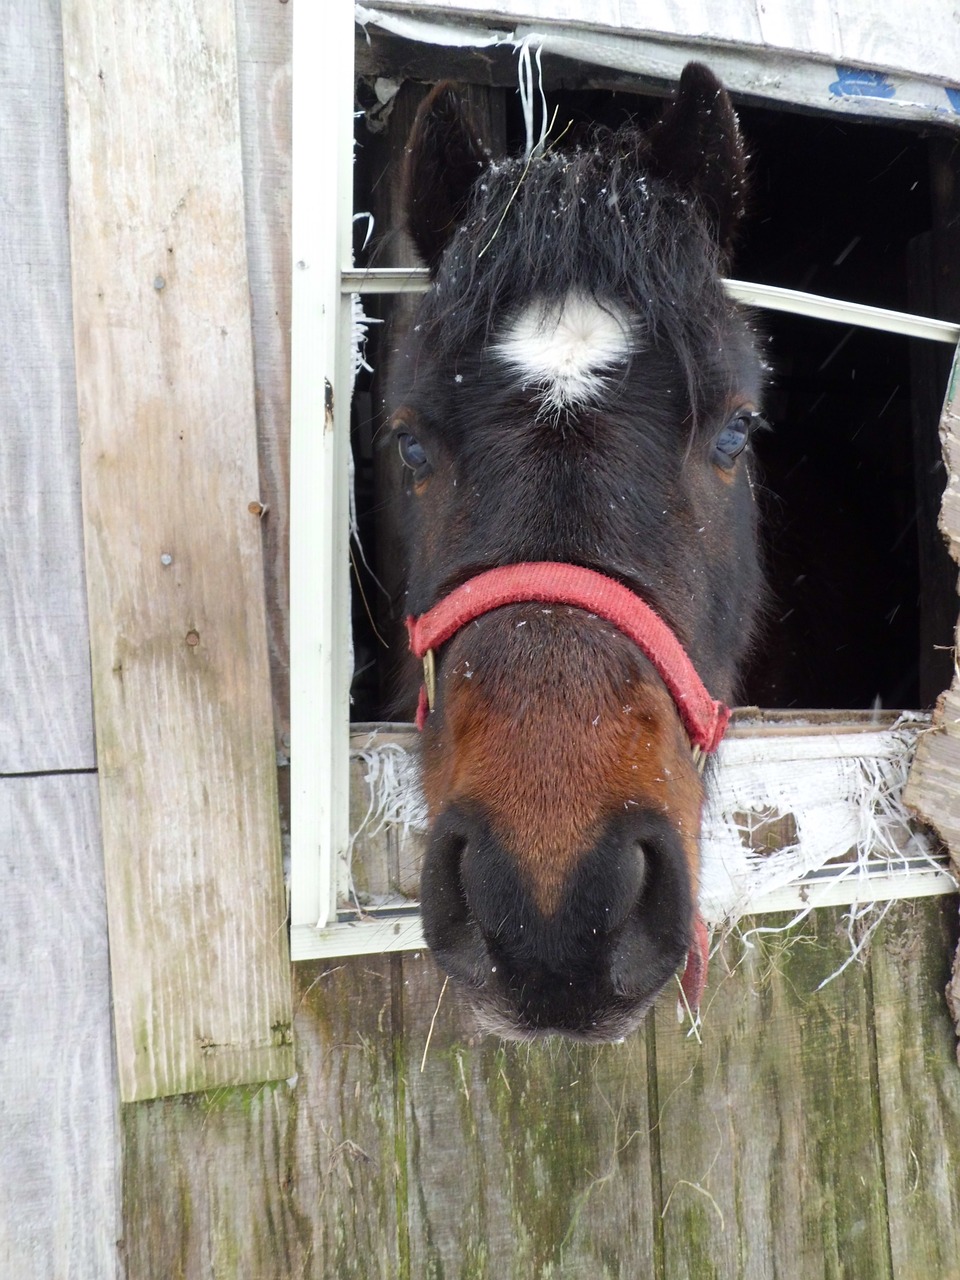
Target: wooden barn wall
{"x":59,"y":1114}
{"x":811,"y":1133}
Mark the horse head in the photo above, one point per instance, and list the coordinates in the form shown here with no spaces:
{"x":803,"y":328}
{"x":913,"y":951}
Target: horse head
{"x":574,"y":400}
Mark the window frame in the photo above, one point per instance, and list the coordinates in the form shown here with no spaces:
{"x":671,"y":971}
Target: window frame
{"x":325,"y":283}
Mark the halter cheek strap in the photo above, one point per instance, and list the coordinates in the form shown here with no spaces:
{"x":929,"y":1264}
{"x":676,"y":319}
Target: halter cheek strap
{"x":704,"y":719}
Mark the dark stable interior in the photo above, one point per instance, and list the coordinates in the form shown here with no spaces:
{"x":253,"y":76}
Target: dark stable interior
{"x":851,"y":462}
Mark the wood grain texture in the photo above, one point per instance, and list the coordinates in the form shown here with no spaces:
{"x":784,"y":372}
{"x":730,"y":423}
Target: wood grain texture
{"x":721,"y":19}
{"x":919,"y":1089}
{"x":293,"y":1179}
{"x":930,"y":258}
{"x":933,"y":785}
{"x":523,"y":1161}
{"x":174,"y":567}
{"x":772,"y":1162}
{"x":804,"y":25}
{"x":264,"y":38}
{"x":923,"y":39}
{"x":554,"y":1161}
{"x":46,"y":714}
{"x":59,"y":1152}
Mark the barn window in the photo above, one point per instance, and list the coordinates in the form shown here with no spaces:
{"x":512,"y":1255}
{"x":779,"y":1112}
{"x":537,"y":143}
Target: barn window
{"x":851,"y":204}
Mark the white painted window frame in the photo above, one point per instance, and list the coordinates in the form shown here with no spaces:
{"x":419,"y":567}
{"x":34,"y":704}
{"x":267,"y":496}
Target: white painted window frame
{"x":324,"y":281}
{"x":321,"y":384}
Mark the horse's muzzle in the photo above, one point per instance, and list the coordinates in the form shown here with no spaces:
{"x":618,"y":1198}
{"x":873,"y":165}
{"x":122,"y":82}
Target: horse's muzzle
{"x":588,"y":968}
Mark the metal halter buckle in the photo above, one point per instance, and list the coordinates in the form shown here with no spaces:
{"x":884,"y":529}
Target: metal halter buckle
{"x":430,"y":678}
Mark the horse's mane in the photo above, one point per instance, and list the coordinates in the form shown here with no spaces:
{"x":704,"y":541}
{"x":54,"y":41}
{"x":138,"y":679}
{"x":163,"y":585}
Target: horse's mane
{"x":589,"y":221}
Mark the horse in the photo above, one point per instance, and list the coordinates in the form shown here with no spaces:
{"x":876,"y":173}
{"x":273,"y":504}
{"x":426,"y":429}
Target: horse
{"x":574,"y":404}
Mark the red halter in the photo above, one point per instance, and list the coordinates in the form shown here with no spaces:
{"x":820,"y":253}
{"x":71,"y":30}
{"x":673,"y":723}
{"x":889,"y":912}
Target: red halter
{"x":548,"y":583}
{"x":704,"y":719}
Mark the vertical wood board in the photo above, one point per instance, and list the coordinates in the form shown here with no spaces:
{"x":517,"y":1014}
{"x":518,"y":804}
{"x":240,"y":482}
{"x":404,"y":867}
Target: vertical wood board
{"x":46,"y":714}
{"x":174,"y":568}
{"x":933,"y":785}
{"x":772,"y":1163}
{"x":523,"y":1161}
{"x":291,"y":1179}
{"x":919,"y":1090}
{"x":264,"y":40}
{"x":59,"y":1152}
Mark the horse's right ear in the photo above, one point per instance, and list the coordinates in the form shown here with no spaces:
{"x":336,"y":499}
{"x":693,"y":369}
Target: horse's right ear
{"x":443,"y":162}
{"x":697,"y":145}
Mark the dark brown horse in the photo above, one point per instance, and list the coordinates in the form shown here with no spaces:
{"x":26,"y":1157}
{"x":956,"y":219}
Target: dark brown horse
{"x":576,"y":390}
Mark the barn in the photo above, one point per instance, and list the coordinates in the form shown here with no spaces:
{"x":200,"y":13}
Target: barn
{"x":225,"y":1051}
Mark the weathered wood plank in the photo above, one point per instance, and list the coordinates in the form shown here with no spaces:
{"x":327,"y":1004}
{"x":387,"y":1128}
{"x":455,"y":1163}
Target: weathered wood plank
{"x":293,"y":1179}
{"x":928,"y":259}
{"x":919,"y":1089}
{"x":808,"y":25}
{"x":523,"y":1161}
{"x":772,"y":1162}
{"x":922,"y":37}
{"x":544,"y":1161}
{"x":264,"y":39}
{"x":59,"y":1153}
{"x":174,"y":567}
{"x":47,"y":717}
{"x":933,"y":786}
{"x":866,"y":33}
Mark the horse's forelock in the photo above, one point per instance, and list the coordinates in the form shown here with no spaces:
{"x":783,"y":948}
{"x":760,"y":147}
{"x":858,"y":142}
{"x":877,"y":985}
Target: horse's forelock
{"x":591,"y":224}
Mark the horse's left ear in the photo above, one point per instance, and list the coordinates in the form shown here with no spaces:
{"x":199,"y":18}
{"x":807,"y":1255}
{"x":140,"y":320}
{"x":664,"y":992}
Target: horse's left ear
{"x":444,"y":159}
{"x":697,"y":145}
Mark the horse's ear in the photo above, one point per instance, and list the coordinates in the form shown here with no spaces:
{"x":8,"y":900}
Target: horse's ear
{"x":697,"y":145}
{"x":444,"y":159}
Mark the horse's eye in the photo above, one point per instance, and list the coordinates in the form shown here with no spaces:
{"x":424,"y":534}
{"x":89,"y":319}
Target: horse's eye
{"x":732,"y":440}
{"x":412,"y":452}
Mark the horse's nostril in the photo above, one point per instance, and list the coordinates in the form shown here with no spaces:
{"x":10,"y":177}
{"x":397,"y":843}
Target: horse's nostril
{"x":654,"y":936}
{"x":627,"y":867}
{"x":442,"y":882}
{"x":640,"y":862}
{"x":448,"y":924}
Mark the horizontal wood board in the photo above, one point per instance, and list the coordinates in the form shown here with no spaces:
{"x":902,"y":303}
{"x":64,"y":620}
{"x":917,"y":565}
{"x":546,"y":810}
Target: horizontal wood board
{"x":174,"y":569}
{"x":921,"y":38}
{"x":480,"y":45}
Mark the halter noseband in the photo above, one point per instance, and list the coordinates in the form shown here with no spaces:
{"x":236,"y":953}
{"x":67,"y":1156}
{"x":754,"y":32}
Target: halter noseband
{"x":704,"y":719}
{"x":547,"y":582}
